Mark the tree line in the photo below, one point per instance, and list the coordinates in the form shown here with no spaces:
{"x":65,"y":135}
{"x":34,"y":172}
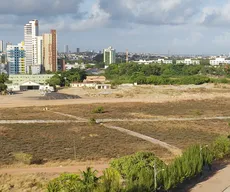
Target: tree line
{"x":144,"y":172}
{"x":64,"y":78}
{"x":159,"y":74}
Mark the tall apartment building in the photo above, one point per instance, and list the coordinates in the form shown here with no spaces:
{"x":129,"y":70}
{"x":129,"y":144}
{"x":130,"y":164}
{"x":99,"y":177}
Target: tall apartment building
{"x":31,"y":31}
{"x":16,"y":58}
{"x":109,"y":56}
{"x":66,"y":49}
{"x":50,"y":51}
{"x":39,"y":44}
{"x":1,"y":46}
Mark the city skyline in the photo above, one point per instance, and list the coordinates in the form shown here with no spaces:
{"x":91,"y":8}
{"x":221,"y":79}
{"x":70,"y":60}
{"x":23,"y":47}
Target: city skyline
{"x":183,"y":27}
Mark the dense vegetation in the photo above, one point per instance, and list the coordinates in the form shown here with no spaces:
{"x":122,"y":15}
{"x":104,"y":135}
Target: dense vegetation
{"x":144,"y":171}
{"x":3,"y":80}
{"x":159,"y":74}
{"x":64,"y":78}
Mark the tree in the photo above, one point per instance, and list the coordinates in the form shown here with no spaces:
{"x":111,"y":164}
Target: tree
{"x":3,"y":80}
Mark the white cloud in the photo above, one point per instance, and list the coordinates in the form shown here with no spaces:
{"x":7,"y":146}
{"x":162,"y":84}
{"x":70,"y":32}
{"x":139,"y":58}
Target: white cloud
{"x":97,"y":18}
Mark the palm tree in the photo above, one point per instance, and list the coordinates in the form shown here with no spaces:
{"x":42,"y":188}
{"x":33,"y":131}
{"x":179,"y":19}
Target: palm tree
{"x":88,"y":180}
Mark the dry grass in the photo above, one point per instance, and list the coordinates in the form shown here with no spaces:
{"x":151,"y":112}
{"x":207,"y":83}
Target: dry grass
{"x":29,"y":113}
{"x":217,"y":107}
{"x":56,"y":142}
{"x":180,"y":134}
{"x":27,"y":183}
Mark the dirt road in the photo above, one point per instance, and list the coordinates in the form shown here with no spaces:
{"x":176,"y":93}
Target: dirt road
{"x":174,"y":150}
{"x":60,"y":169}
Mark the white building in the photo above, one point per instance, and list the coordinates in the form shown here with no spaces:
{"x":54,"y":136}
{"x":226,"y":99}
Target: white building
{"x":219,"y":61}
{"x":188,"y":62}
{"x":159,"y":61}
{"x":165,"y":61}
{"x":109,"y":56}
{"x":1,"y":46}
{"x":39,"y":42}
{"x":31,"y":31}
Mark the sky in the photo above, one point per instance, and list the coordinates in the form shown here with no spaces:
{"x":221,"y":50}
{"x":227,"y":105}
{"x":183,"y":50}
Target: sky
{"x":153,"y":26}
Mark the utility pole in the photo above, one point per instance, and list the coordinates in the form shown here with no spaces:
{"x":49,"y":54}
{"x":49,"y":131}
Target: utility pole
{"x":155,"y":175}
{"x":74,"y":150}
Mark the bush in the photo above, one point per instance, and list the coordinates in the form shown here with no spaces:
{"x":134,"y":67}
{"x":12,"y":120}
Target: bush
{"x":23,"y":158}
{"x":110,"y":181}
{"x":99,"y":109}
{"x":65,"y":183}
{"x":221,"y":147}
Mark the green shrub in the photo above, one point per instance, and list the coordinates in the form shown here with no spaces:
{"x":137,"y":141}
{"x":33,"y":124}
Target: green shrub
{"x":23,"y":158}
{"x":64,"y":183}
{"x":221,"y":147}
{"x":110,"y":181}
{"x":99,"y":109}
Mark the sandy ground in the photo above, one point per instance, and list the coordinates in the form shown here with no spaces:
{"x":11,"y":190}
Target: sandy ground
{"x":156,"y":94}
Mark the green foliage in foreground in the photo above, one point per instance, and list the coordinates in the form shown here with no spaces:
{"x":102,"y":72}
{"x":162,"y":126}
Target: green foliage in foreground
{"x":144,"y":172}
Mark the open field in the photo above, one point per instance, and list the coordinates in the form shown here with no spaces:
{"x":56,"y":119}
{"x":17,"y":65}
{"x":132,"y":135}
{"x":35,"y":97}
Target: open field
{"x":148,"y":94}
{"x":56,"y":142}
{"x":192,"y":108}
{"x":180,"y":134}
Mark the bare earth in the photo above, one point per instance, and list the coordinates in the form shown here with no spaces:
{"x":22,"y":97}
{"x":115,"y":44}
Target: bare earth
{"x":148,"y":94}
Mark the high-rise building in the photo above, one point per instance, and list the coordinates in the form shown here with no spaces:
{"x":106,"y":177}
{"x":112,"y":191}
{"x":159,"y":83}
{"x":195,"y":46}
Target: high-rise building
{"x":39,"y":45}
{"x":78,"y":50}
{"x":50,"y":51}
{"x":1,"y":46}
{"x":16,"y":58}
{"x":109,"y":56}
{"x":31,"y":31}
{"x":61,"y":64}
{"x":66,"y":49}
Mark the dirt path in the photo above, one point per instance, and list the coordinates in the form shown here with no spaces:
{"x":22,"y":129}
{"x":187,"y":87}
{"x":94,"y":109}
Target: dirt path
{"x":171,"y":148}
{"x":60,"y":169}
{"x":220,"y":182}
{"x":82,"y":120}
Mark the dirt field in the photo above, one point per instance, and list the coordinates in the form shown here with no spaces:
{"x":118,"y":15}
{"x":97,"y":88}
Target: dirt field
{"x":56,"y":142}
{"x":148,"y":94}
{"x":180,"y":134}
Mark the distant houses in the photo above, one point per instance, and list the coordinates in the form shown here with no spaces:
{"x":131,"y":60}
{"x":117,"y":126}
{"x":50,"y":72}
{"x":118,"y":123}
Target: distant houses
{"x":93,"y":82}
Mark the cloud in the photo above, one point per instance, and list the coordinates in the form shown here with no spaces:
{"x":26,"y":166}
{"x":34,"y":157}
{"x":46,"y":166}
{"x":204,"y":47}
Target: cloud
{"x":216,"y":15}
{"x":39,"y":7}
{"x":157,"y":12}
{"x":96,"y":18}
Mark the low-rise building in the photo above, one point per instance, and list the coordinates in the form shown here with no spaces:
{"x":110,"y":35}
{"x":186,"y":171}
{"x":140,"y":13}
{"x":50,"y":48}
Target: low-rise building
{"x":219,"y":61}
{"x":188,"y":62}
{"x":39,"y":79}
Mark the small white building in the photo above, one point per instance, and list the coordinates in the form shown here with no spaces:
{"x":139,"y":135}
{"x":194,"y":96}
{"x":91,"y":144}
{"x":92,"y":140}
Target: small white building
{"x":218,"y":61}
{"x":164,"y":61}
{"x":188,"y":62}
